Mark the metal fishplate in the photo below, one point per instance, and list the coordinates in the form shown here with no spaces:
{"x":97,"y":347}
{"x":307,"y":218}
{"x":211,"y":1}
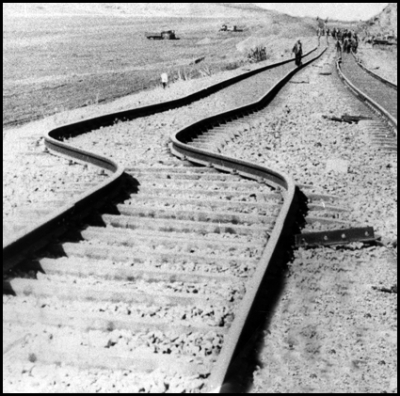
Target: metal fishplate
{"x":335,"y":237}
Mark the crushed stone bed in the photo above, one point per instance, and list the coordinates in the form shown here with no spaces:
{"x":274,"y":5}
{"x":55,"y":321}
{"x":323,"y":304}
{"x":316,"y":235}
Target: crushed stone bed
{"x":331,"y":331}
{"x":330,"y":323}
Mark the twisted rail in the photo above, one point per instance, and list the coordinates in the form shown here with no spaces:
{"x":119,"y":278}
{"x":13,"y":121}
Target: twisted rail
{"x":282,"y":229}
{"x":29,"y":241}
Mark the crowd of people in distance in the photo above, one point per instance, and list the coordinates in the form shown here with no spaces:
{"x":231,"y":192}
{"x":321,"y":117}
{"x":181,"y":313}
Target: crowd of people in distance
{"x":346,"y":40}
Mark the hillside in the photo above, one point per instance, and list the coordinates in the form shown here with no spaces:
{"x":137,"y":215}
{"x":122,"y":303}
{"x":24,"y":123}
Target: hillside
{"x":385,"y":22}
{"x":198,"y":10}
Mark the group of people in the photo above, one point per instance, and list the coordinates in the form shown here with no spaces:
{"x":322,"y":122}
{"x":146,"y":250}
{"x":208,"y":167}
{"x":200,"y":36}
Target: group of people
{"x":346,"y":41}
{"x":322,"y":31}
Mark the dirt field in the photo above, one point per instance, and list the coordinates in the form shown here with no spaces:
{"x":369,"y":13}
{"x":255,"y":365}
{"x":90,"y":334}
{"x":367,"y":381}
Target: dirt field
{"x":52,"y":64}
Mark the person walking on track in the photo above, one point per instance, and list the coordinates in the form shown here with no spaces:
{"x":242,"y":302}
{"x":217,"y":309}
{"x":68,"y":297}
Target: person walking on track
{"x":298,"y":52}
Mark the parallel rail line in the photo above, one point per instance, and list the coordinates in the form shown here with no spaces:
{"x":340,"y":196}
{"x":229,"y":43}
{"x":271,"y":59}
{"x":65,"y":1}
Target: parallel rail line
{"x":135,"y":235}
{"x":379,"y":94}
{"x":375,"y":75}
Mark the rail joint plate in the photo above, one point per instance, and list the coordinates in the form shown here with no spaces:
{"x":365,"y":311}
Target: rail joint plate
{"x":335,"y":237}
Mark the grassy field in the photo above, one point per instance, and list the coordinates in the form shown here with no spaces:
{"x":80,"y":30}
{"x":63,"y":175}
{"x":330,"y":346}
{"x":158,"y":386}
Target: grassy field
{"x":52,"y":64}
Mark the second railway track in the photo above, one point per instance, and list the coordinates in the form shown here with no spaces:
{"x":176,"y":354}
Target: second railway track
{"x":381,"y":92}
{"x":378,"y":94}
{"x":158,"y":286}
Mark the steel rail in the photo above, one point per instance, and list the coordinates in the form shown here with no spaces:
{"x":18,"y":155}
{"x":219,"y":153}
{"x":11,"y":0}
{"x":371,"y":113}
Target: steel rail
{"x":281,"y":231}
{"x":28,"y":241}
{"x":365,"y":98}
{"x":377,"y":76}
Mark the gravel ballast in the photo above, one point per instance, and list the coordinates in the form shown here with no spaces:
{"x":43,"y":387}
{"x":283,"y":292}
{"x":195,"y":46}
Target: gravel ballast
{"x":331,"y":331}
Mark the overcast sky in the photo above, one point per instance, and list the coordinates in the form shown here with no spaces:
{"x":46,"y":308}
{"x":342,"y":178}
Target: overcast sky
{"x":342,"y":11}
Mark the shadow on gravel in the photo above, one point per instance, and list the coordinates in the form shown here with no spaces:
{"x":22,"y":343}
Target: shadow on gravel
{"x":30,"y":268}
{"x":7,"y":288}
{"x":239,"y":379}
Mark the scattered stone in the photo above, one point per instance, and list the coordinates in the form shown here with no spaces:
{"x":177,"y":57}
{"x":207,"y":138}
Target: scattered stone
{"x":32,"y":358}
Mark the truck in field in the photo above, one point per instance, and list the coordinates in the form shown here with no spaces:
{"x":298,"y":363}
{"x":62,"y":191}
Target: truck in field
{"x":164,"y":35}
{"x":226,"y":28}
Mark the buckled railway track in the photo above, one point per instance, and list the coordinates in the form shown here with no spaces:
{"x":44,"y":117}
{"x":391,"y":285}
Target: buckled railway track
{"x":160,"y":284}
{"x":379,"y":94}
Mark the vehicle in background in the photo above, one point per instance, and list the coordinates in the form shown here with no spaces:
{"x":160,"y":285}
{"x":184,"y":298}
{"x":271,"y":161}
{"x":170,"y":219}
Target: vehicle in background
{"x":226,"y":28}
{"x":164,"y":35}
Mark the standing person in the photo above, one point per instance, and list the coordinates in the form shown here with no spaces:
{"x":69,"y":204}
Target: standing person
{"x":164,"y":80}
{"x":298,"y":52}
{"x":346,"y":45}
{"x":349,"y":41}
{"x":354,"y":45}
{"x":339,"y":49}
{"x":319,"y":35}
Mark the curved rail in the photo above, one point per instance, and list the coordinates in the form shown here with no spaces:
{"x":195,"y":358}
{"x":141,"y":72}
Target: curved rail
{"x":364,"y":97}
{"x":377,"y":76}
{"x":282,"y":226}
{"x":28,"y":241}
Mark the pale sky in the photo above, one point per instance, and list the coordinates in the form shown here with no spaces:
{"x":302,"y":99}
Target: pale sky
{"x":341,"y":11}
